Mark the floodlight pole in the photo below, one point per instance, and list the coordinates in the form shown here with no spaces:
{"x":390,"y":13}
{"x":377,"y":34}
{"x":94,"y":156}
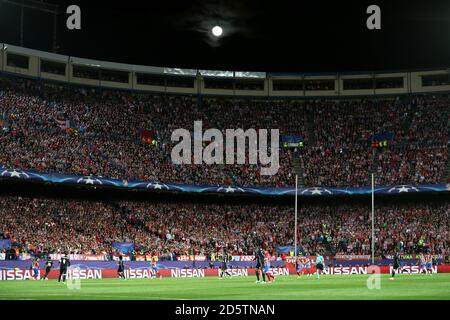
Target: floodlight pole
{"x":373,"y":221}
{"x":295,"y":223}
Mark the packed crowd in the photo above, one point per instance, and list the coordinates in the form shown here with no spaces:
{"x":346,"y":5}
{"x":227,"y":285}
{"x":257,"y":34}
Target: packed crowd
{"x":105,"y":140}
{"x":417,"y":152}
{"x":41,"y":225}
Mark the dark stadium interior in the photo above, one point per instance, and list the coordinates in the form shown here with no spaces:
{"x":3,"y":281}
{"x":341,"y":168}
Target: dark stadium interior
{"x":293,"y":36}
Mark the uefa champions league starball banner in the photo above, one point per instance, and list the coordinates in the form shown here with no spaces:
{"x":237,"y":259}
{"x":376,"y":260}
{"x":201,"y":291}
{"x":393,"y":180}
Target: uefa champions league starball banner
{"x":58,"y":178}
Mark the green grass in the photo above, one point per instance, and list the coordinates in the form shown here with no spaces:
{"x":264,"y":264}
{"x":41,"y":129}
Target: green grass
{"x":351,"y":287}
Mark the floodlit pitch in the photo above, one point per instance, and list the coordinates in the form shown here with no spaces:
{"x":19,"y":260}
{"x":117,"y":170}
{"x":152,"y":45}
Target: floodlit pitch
{"x":329,"y":287}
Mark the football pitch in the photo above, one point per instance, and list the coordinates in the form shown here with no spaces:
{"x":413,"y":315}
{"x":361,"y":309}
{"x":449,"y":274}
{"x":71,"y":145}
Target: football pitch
{"x":331,"y":287}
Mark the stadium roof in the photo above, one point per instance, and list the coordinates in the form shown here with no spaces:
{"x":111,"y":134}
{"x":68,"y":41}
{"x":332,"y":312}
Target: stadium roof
{"x":281,"y":36}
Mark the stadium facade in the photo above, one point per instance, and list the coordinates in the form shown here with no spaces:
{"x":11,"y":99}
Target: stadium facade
{"x":81,"y":71}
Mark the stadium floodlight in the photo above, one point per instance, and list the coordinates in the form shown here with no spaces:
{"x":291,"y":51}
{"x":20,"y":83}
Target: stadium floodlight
{"x":217,"y":31}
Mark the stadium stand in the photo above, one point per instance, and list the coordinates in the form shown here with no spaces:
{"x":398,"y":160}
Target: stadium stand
{"x":55,"y":127}
{"x":45,"y":225}
{"x":58,"y":128}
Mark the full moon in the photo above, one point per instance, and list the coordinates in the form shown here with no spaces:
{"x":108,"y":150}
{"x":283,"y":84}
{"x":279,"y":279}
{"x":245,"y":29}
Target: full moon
{"x":217,"y":31}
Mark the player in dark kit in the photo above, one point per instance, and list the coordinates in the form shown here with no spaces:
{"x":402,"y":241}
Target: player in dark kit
{"x":121,"y":269}
{"x":48,"y":268}
{"x":396,"y":265}
{"x":259,"y":257}
{"x":64,"y":263}
{"x":224,"y":267}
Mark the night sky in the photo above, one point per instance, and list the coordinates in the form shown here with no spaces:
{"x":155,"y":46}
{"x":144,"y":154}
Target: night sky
{"x":277,"y":36}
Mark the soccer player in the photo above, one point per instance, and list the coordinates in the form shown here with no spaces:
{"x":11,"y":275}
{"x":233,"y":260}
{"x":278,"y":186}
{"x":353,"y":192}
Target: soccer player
{"x":319,"y":265}
{"x":155,"y":267}
{"x":48,"y":268}
{"x":423,"y":264}
{"x":299,"y":266}
{"x":31,"y":264}
{"x":224,"y":267}
{"x":35,"y":269}
{"x":396,"y":265}
{"x":121,"y":268}
{"x":259,"y":256}
{"x":64,"y":263}
{"x":307,"y":266}
{"x":429,"y":260}
{"x":267,"y":270}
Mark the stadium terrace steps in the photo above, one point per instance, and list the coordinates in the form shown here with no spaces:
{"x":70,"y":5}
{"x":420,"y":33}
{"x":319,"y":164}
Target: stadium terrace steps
{"x":298,"y":169}
{"x":446,"y":176}
{"x":406,"y":126}
{"x":375,"y":163}
{"x":311,"y":128}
